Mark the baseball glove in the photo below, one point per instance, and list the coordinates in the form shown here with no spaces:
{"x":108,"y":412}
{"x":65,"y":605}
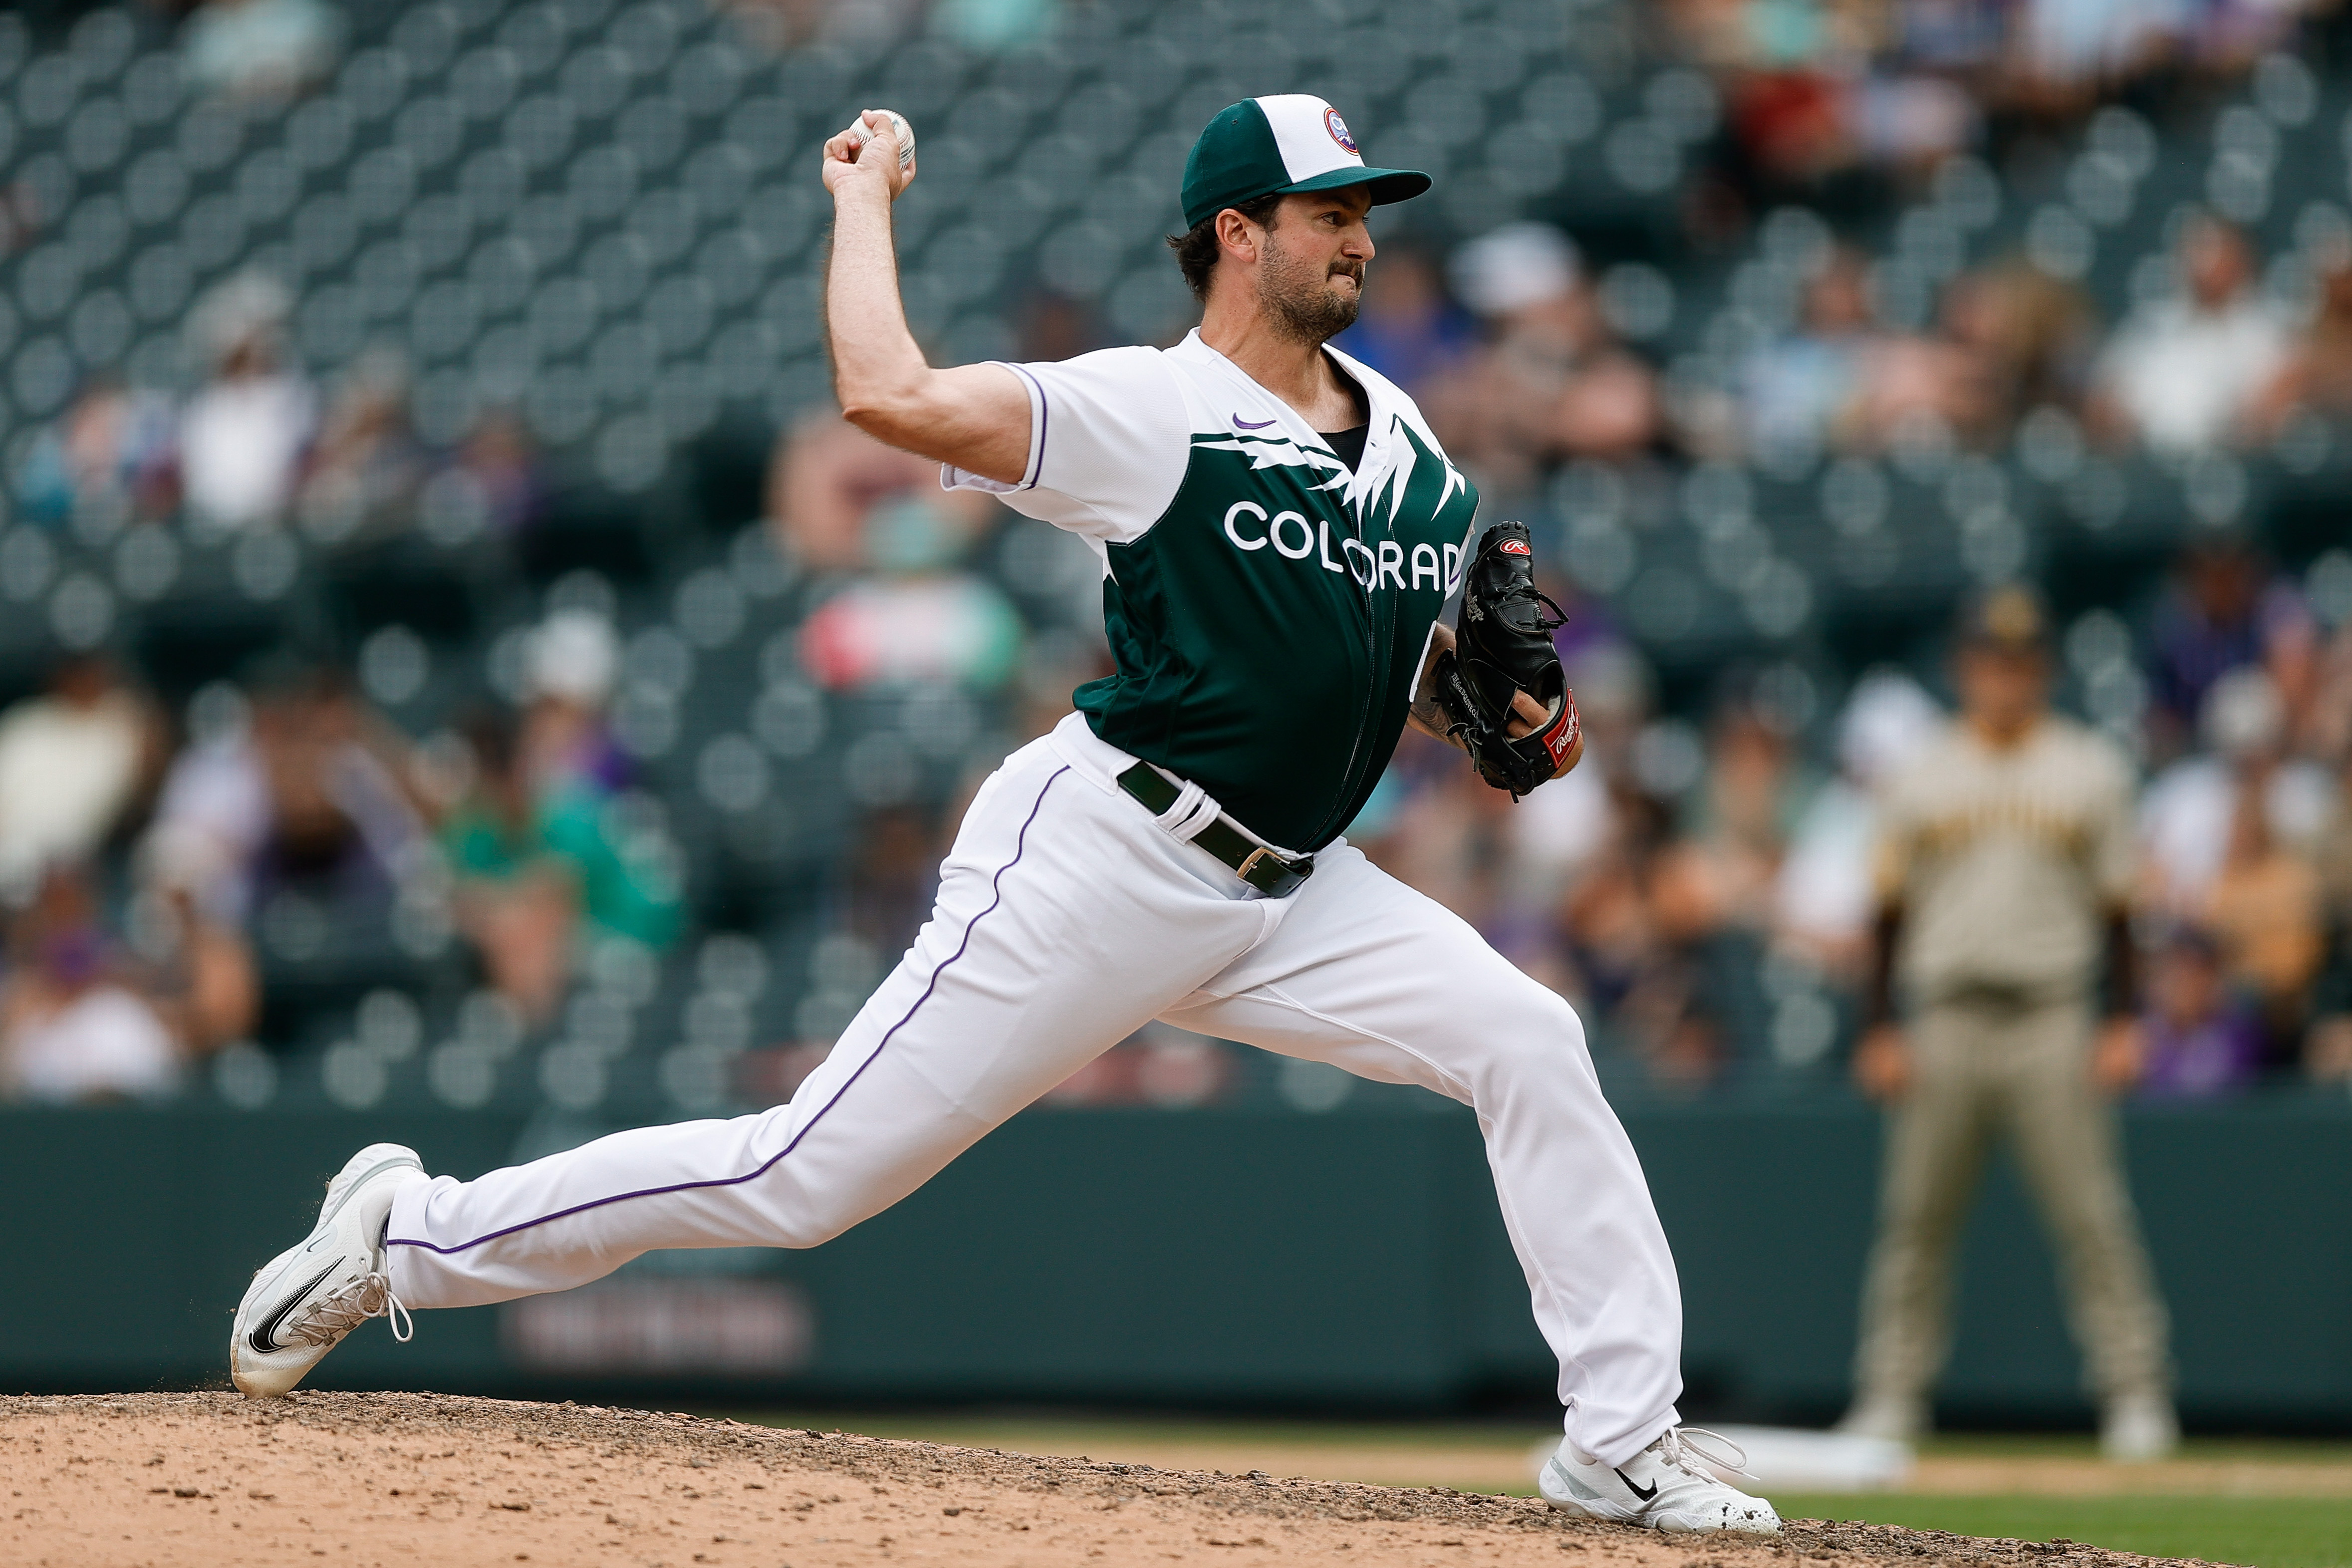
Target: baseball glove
{"x":1502,"y":645}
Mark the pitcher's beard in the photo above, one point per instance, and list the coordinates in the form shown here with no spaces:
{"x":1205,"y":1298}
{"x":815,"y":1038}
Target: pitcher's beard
{"x":1306,"y":309}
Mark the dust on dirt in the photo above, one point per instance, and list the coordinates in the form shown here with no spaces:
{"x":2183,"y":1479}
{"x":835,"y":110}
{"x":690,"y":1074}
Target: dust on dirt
{"x":179,"y":1481}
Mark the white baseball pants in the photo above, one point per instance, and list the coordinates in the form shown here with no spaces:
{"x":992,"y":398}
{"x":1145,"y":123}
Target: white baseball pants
{"x":1067,"y":918}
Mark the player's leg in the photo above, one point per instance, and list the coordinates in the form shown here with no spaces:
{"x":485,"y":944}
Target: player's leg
{"x":1371,"y":976}
{"x":1935,"y":1143}
{"x":1064,"y":920}
{"x":2065,"y":1133}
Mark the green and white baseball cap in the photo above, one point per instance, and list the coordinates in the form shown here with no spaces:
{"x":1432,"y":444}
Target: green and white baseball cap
{"x":1289,"y":142}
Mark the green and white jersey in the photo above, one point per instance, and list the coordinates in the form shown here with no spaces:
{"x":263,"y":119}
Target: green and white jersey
{"x":1268,"y":608}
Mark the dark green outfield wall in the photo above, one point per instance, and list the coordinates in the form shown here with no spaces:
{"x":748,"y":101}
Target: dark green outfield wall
{"x":1228,"y":1257}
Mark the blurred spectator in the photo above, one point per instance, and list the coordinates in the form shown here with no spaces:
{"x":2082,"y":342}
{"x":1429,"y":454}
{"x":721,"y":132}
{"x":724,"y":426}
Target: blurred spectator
{"x":1791,"y":131}
{"x":2317,"y":374}
{"x":81,"y":1020}
{"x":1552,"y":382}
{"x":829,"y":478}
{"x":916,"y":619}
{"x":112,"y":452}
{"x":894,"y":875}
{"x":242,"y":436}
{"x":567,"y":742}
{"x":498,"y":464}
{"x":2188,"y":811}
{"x":1439,"y":830}
{"x":2025,"y":340}
{"x":367,"y":466}
{"x":2188,"y":372}
{"x":2004,"y":867}
{"x":784,"y":24}
{"x":1908,"y":381}
{"x":1409,"y":330}
{"x":308,"y":793}
{"x":1737,"y":826}
{"x":2068,"y":50}
{"x":1553,"y":838}
{"x":1796,"y":394}
{"x":993,"y":24}
{"x":2009,"y":337}
{"x":260,"y":49}
{"x":1822,"y":897}
{"x":1817,"y":95}
{"x":536,"y":860}
{"x":73,"y":762}
{"x":2325,"y":729}
{"x":1636,"y":936}
{"x":2225,"y":610}
{"x":2197,"y":1039}
{"x":2264,"y":909}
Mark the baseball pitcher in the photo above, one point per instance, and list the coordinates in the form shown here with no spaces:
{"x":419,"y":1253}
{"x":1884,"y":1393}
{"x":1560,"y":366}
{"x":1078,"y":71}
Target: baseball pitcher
{"x":1279,"y":532}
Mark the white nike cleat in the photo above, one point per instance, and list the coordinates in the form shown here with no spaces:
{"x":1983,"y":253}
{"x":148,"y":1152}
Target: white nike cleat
{"x":304,"y":1300}
{"x":2135,"y":1429}
{"x":1665,"y":1487}
{"x":1891,"y":1419}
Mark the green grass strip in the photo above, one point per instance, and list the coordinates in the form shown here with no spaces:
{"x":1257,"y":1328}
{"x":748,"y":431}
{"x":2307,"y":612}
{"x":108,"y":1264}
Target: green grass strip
{"x":2261,"y":1532}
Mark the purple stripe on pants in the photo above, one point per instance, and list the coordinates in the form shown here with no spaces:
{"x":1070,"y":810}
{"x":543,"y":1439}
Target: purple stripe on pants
{"x":996,"y":884}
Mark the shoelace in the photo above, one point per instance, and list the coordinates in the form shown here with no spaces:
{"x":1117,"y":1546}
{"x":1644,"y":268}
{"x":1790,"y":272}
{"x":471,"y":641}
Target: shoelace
{"x":1677,"y":1450}
{"x":338,"y":1312}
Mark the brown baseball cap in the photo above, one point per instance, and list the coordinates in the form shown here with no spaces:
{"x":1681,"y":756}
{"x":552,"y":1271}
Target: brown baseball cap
{"x":2010,"y":619}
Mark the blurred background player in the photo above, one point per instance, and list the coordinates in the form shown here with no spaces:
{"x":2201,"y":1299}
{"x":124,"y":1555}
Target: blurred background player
{"x":2004,"y":871}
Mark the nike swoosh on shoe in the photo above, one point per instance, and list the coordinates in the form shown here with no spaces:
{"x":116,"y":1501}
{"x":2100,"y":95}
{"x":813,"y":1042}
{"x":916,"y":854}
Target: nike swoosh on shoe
{"x":1637,"y":1491}
{"x":264,"y":1337}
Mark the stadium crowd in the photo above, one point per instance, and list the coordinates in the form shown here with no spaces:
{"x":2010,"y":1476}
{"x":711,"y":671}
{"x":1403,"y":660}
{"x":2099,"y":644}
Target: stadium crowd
{"x":1650,"y":884}
{"x":1701,"y":886}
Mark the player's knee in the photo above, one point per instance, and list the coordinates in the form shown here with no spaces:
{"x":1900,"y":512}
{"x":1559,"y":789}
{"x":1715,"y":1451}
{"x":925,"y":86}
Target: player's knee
{"x":812,"y":1226}
{"x":1533,"y":1030}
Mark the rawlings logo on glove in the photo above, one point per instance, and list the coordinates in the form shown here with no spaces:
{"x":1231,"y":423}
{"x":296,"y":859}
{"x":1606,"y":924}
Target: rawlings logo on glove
{"x":1502,"y":646}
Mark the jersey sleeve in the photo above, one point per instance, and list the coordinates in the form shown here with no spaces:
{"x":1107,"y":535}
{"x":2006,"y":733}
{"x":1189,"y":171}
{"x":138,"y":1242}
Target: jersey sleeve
{"x":2115,"y":833}
{"x":1894,"y":816}
{"x":1109,"y":440}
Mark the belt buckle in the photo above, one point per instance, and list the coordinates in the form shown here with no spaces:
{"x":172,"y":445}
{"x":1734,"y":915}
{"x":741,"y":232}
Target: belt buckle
{"x":1288,"y":874}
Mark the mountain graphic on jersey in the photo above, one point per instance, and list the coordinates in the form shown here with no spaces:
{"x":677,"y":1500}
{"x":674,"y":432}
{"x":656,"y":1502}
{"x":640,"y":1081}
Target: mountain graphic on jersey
{"x":1268,"y":604}
{"x":1269,"y":628}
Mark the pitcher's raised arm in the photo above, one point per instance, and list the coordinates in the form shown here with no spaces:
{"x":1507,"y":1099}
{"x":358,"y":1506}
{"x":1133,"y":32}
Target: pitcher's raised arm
{"x":976,"y":417}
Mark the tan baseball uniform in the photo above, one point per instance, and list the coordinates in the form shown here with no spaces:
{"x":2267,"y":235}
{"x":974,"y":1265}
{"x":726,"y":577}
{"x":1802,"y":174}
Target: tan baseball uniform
{"x":2006,"y":864}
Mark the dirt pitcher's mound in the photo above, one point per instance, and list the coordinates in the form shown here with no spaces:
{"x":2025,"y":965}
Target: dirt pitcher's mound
{"x":360,"y":1480}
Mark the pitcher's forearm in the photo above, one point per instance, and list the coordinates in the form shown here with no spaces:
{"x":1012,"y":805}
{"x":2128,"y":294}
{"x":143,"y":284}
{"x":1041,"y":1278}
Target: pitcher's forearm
{"x":877,"y":366}
{"x":1423,"y":714}
{"x":975,"y":416}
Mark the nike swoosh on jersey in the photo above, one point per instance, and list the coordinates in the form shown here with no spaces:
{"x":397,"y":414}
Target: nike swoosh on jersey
{"x":1242,"y":424}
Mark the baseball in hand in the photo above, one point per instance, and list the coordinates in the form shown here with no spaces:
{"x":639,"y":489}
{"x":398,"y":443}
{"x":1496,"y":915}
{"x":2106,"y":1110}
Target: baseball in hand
{"x":859,"y":134}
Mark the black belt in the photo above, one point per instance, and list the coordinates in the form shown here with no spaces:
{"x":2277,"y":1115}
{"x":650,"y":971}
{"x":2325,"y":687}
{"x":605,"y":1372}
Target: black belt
{"x":1252,"y":862}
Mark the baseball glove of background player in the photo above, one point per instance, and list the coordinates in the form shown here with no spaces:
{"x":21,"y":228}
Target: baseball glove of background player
{"x":1502,"y":645}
